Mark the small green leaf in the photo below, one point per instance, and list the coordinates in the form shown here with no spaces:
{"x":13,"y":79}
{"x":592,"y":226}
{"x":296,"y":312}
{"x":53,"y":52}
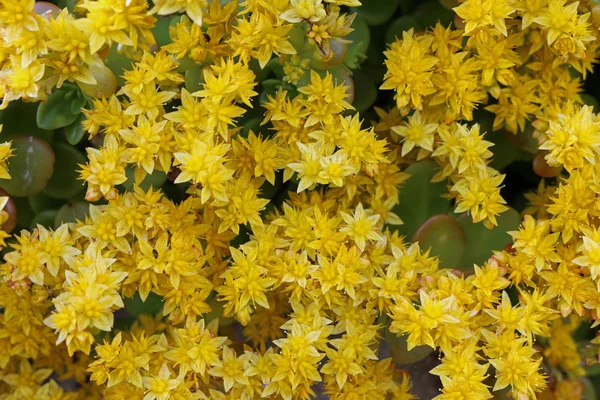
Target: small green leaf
{"x":118,"y":63}
{"x":45,"y":218}
{"x":428,"y":13}
{"x":400,"y":25}
{"x":31,"y":167}
{"x":217,"y":312}
{"x":75,"y":132}
{"x":77,"y":103}
{"x":24,"y":212}
{"x":592,"y":370}
{"x":590,"y":388}
{"x":19,"y":118}
{"x":276,"y":67}
{"x":65,"y":181}
{"x":360,"y":37}
{"x":504,"y":151}
{"x":366,"y":90}
{"x":40,"y":202}
{"x":261,"y":73}
{"x":154,"y":180}
{"x":399,"y":347}
{"x":271,"y":84}
{"x":193,"y":79}
{"x":71,"y":213}
{"x":481,"y":241}
{"x":590,"y":100}
{"x":377,"y":12}
{"x":56,"y":111}
{"x":420,"y":199}
{"x":445,"y":237}
{"x":253,"y":125}
{"x":161,"y":30}
{"x":153,"y":304}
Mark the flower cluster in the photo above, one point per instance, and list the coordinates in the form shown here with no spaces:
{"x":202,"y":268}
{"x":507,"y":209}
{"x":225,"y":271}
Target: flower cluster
{"x":268,"y":240}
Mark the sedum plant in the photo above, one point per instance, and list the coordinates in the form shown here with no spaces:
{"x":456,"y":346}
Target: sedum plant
{"x":296,"y":199}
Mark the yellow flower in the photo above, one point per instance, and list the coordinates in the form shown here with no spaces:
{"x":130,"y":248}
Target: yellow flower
{"x":18,"y":15}
{"x":193,"y":8}
{"x":270,"y":39}
{"x":27,"y":260}
{"x":478,"y":14}
{"x":57,"y":245}
{"x":308,"y":167}
{"x":341,"y":364}
{"x":127,"y":365}
{"x":149,"y":100}
{"x":520,"y":371}
{"x":204,"y":164}
{"x":21,"y":81}
{"x":160,"y":386}
{"x":535,"y":240}
{"x":590,"y":250}
{"x":361,"y":227}
{"x":572,"y":139}
{"x":480,"y":196}
{"x":196,"y":348}
{"x":558,"y":18}
{"x":105,"y":169}
{"x":409,"y":67}
{"x":25,"y":382}
{"x":6,"y":152}
{"x":231,"y":369}
{"x":102,"y":227}
{"x":416,"y":133}
{"x":304,"y":10}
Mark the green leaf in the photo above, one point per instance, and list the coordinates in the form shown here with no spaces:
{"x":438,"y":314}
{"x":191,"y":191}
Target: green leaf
{"x":377,"y":12}
{"x":30,"y":168}
{"x":428,"y":13}
{"x":271,"y":85}
{"x":261,"y":73}
{"x":20,"y":118}
{"x":445,"y":237}
{"x":153,"y":304}
{"x":592,"y":370}
{"x":77,"y":103}
{"x":591,"y":386}
{"x":106,"y":85}
{"x":45,"y":218}
{"x":481,"y":241}
{"x":504,"y":151}
{"x":154,"y":180}
{"x":161,"y":30}
{"x":399,"y":347}
{"x":400,"y":25}
{"x":217,"y":312}
{"x":118,"y":63}
{"x":366,"y":90}
{"x":75,"y":132}
{"x":71,"y":213}
{"x":193,"y":79}
{"x":420,"y":199}
{"x":276,"y":67}
{"x":65,"y":181}
{"x":360,"y":37}
{"x":253,"y":125}
{"x":40,"y":202}
{"x":590,"y":100}
{"x":24,"y":212}
{"x":56,"y":111}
